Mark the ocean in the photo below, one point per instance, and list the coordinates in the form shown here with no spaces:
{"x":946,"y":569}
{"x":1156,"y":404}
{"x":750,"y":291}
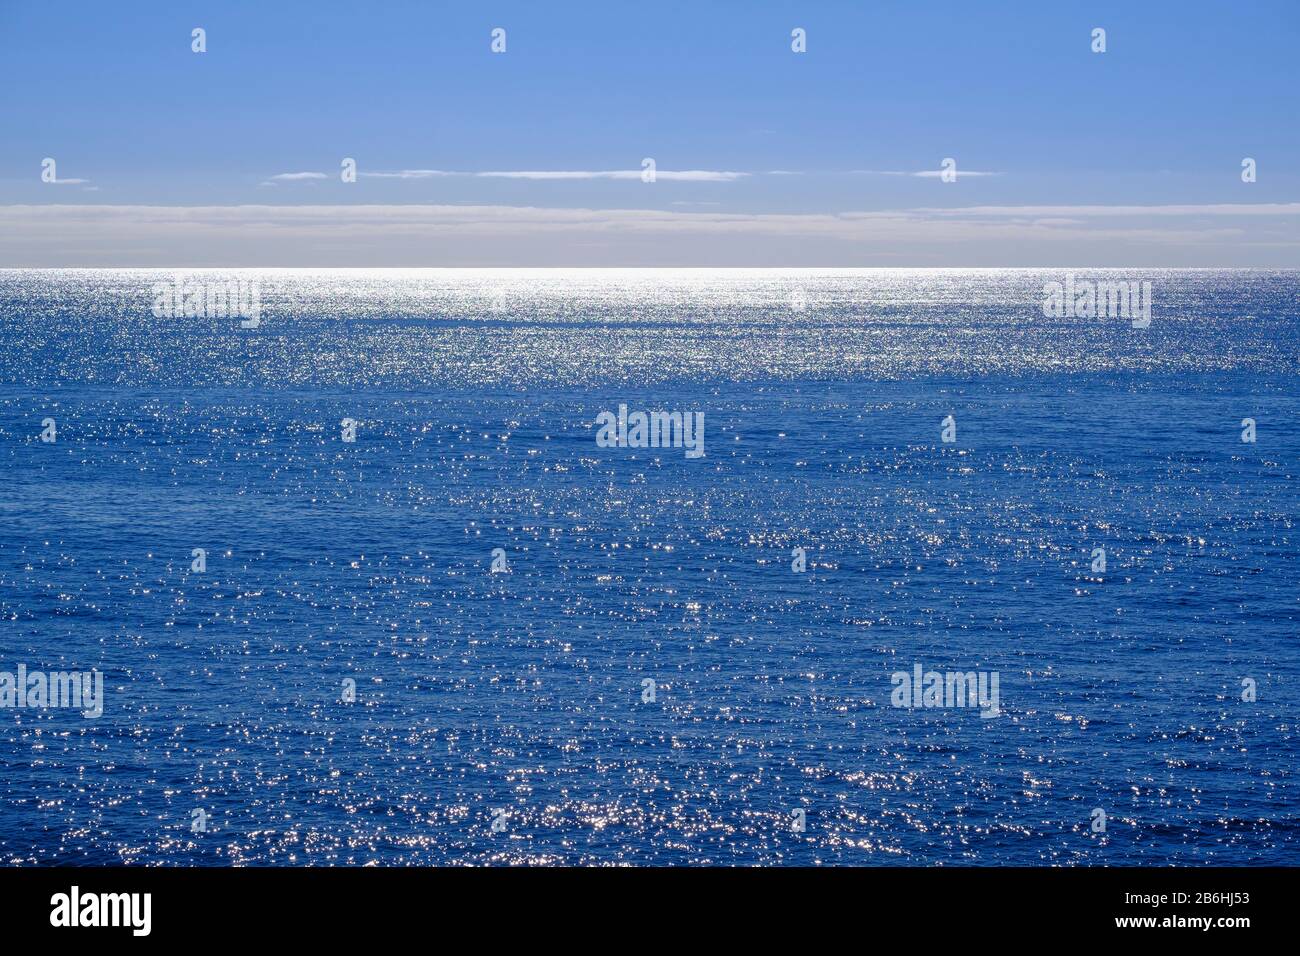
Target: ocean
{"x":460,"y":630}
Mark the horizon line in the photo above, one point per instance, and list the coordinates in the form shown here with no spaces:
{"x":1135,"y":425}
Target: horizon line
{"x":659,"y":268}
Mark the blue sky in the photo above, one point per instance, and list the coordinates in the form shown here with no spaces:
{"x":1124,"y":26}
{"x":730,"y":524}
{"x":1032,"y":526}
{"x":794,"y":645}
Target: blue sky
{"x":885,"y":91}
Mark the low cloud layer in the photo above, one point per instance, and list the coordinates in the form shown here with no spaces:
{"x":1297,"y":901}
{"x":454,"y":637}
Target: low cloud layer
{"x":1263,"y":235}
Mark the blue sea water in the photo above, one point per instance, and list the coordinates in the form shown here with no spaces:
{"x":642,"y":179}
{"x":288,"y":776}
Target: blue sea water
{"x":518,"y":697}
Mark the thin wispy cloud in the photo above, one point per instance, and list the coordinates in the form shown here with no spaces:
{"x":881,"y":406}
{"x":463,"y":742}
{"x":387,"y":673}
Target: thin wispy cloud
{"x":679,"y":175}
{"x":667,"y":175}
{"x":670,"y":175}
{"x":959,"y":173}
{"x":410,"y":174}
